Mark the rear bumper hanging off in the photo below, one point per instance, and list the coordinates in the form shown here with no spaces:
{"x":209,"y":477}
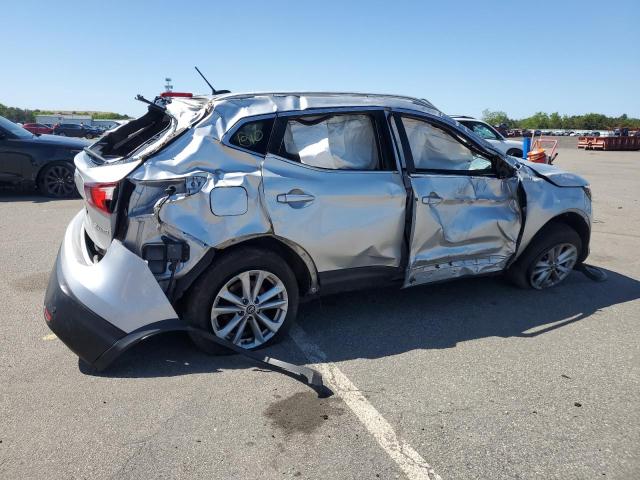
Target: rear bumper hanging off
{"x":99,"y":311}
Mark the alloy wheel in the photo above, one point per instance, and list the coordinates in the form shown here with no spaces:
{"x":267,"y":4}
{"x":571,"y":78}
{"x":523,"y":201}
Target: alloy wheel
{"x":58,"y":181}
{"x":250,"y":308}
{"x":553,"y":266}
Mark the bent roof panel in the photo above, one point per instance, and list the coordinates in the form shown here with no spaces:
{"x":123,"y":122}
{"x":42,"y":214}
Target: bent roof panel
{"x":230,"y":108}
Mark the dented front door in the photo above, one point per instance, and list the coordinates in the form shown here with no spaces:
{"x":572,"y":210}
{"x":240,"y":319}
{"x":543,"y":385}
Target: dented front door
{"x":463,"y":225}
{"x":466,"y":216}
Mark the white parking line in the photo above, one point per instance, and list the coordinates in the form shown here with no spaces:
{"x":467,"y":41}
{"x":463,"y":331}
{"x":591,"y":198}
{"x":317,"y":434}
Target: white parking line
{"x":409,"y":461}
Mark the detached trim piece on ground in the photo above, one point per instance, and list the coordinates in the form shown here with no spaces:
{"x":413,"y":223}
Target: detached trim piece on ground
{"x":99,"y":343}
{"x":303,"y":374}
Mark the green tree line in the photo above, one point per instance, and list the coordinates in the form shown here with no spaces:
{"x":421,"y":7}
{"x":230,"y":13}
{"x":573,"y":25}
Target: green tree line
{"x":542,"y":120}
{"x":24,"y":115}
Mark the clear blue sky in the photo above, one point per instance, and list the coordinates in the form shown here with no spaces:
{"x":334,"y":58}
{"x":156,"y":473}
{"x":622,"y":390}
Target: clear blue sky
{"x":567,"y":56}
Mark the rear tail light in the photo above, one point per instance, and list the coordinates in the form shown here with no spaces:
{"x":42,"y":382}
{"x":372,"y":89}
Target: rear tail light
{"x":101,"y":195}
{"x":47,"y":315}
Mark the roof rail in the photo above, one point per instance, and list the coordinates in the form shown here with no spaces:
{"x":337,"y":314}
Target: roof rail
{"x":418,"y":101}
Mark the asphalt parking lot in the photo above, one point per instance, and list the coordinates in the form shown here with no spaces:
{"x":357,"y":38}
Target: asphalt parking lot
{"x":480,"y":379}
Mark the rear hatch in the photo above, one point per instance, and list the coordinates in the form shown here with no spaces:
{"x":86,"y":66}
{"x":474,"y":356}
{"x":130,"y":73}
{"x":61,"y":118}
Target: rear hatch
{"x":102,"y":168}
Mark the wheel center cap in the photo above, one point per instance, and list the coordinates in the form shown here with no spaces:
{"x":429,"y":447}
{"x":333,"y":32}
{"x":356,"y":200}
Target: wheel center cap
{"x":251,"y":309}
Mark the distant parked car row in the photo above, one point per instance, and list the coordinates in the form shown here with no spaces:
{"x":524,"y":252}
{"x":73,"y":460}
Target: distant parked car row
{"x":618,"y":132}
{"x":65,"y":130}
{"x":550,"y":133}
{"x":42,"y":160}
{"x":75,"y":130}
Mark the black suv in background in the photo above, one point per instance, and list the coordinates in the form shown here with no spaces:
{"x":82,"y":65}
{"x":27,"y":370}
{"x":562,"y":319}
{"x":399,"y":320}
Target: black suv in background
{"x":75,"y":130}
{"x":45,"y":161}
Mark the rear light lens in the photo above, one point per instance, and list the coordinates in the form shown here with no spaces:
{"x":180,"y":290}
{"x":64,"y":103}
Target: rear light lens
{"x":101,"y":196}
{"x":47,"y":315}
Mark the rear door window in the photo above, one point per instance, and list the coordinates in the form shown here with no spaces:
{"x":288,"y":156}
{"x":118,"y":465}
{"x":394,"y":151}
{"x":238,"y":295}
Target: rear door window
{"x":333,"y":141}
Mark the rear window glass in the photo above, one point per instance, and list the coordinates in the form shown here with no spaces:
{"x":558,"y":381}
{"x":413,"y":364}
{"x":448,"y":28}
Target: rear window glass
{"x":253,"y":136}
{"x":131,"y":136}
{"x":335,"y":142}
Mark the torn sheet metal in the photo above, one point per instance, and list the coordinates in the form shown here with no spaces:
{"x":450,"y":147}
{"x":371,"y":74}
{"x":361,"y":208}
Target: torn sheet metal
{"x":463,"y":225}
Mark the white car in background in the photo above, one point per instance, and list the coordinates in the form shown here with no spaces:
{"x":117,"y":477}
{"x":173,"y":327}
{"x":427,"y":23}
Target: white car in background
{"x":491,"y":135}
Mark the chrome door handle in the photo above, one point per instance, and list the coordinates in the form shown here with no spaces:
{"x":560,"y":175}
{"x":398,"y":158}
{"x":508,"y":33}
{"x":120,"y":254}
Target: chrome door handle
{"x":295,"y":198}
{"x":432,"y":199}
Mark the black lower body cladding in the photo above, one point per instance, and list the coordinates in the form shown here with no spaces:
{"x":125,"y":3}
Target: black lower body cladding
{"x":85,"y":333}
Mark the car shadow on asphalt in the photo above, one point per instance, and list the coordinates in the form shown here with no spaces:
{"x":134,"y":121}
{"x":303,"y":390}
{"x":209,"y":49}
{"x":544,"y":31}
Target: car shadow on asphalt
{"x":441,"y":316}
{"x":379,"y":323}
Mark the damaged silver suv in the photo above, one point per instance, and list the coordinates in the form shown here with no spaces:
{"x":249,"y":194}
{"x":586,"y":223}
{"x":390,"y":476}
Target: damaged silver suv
{"x":222,"y":212}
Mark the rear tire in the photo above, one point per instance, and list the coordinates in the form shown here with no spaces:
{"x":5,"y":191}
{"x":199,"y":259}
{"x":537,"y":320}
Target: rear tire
{"x":232,"y":295}
{"x":537,"y":268}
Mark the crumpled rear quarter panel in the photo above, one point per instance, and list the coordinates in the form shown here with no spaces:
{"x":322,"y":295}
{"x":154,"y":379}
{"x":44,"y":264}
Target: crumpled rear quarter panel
{"x":191,"y":217}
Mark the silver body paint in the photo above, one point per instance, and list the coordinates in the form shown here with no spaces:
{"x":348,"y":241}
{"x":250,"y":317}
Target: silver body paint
{"x":546,"y":200}
{"x":333,"y":219}
{"x":355,"y":219}
{"x":120,"y":288}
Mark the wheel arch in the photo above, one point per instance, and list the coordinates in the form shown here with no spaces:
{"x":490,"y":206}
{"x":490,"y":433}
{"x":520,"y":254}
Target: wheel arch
{"x":296,"y":257}
{"x":578,"y":223}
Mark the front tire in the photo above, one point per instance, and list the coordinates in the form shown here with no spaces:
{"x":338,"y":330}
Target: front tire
{"x":549,"y":259}
{"x":248,"y":297}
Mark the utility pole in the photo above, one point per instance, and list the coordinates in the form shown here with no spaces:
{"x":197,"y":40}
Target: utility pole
{"x":167,"y":86}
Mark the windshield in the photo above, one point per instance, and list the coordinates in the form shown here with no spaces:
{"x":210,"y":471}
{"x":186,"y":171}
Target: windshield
{"x":14,"y":129}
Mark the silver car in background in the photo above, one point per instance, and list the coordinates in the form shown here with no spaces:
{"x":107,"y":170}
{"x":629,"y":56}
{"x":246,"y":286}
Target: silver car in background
{"x":226,"y":211}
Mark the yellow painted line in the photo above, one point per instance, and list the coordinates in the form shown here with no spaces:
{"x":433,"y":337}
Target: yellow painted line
{"x":51,"y":336}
